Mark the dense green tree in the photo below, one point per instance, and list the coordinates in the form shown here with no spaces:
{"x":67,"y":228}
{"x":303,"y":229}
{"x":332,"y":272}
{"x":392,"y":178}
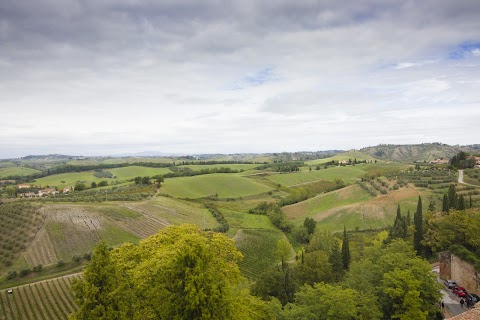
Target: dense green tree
{"x":97,"y":292}
{"x":310,"y":224}
{"x":103,"y":183}
{"x":181,"y":272}
{"x":325,"y":301}
{"x":401,"y":281}
{"x":445,"y":204}
{"x":452,"y":197}
{"x":457,"y":228}
{"x":321,"y":240}
{"x":345,"y":250}
{"x":431,"y":206}
{"x":316,"y":268}
{"x":94,"y":184}
{"x":461,"y":203}
{"x":301,"y":234}
{"x":335,"y":259}
{"x":146,"y":180}
{"x":80,"y":186}
{"x":418,"y":234}
{"x":400,"y":228}
{"x":278,"y":283}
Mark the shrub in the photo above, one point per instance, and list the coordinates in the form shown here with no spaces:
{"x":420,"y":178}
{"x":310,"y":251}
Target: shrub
{"x":38,"y":268}
{"x":60,"y":263}
{"x":24,"y":272}
{"x":11,"y":275}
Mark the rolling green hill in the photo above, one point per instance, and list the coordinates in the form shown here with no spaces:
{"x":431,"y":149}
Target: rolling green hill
{"x":347,"y":174}
{"x":16,"y":171}
{"x":225,"y":185}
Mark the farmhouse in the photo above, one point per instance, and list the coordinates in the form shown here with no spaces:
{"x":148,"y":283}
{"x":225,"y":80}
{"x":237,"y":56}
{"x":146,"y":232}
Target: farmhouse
{"x":439,"y":161}
{"x":24,"y":186}
{"x":67,"y":189}
{"x":47,"y":192}
{"x":29,"y":195}
{"x":477,"y":162}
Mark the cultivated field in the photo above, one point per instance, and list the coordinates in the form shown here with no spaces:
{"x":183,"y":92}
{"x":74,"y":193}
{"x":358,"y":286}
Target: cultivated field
{"x":125,"y":173}
{"x":347,"y":174}
{"x":16,"y":171}
{"x":44,"y":300}
{"x":131,"y":172}
{"x":225,"y":185}
{"x":19,"y":223}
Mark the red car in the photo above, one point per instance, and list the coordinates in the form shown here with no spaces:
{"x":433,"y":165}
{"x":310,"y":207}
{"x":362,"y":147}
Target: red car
{"x":460,"y":291}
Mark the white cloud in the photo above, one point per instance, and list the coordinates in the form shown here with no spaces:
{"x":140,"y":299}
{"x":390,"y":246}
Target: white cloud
{"x":106,"y":76}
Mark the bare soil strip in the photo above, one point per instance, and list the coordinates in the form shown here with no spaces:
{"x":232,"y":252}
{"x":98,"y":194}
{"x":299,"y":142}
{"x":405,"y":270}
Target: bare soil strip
{"x":39,"y":299}
{"x":7,"y":313}
{"x":53,"y":305}
{"x":25,"y":303}
{"x":61,"y":295}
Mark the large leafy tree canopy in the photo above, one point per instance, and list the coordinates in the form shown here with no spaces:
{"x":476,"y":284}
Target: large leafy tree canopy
{"x":179,"y":273}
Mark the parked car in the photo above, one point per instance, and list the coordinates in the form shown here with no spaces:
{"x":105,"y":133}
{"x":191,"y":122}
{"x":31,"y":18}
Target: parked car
{"x":460,"y":291}
{"x":10,"y":290}
{"x":473,"y":297}
{"x":450,"y":283}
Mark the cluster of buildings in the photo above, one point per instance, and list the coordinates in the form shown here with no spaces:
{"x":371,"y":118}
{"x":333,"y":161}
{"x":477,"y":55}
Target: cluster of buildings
{"x":40,"y":193}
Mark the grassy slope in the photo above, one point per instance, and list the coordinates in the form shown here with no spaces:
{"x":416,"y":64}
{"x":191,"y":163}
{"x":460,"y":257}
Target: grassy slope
{"x":226,"y":185}
{"x":236,"y":166}
{"x":135,"y":171}
{"x":347,"y":174}
{"x":354,"y":207}
{"x":16,"y":171}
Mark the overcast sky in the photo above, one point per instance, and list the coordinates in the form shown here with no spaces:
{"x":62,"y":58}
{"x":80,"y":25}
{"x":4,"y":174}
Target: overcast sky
{"x":99,"y":77}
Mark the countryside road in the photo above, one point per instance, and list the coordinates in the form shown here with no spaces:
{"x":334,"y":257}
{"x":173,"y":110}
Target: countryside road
{"x":460,"y":176}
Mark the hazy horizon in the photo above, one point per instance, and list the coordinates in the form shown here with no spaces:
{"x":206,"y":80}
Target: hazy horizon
{"x":112,"y":77}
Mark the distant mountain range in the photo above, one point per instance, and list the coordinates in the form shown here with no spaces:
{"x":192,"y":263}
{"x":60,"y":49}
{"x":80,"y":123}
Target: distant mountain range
{"x":389,"y":152}
{"x":417,"y":152}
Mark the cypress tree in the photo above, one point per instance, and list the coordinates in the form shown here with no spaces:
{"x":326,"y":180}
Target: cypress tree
{"x":461,"y":203}
{"x":471,"y":201}
{"x":335,"y":259}
{"x":409,"y":220}
{"x":445,"y":204}
{"x":418,"y":234}
{"x":452,"y":197}
{"x":345,"y":250}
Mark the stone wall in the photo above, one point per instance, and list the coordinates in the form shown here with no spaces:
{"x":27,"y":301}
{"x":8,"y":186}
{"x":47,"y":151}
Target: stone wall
{"x":452,"y":267}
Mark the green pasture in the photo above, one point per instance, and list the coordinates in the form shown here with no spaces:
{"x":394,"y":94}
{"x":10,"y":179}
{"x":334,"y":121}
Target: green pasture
{"x":131,"y":172}
{"x":259,"y":247}
{"x":313,"y":206}
{"x":69,"y":179}
{"x":233,"y":166}
{"x":125,"y":173}
{"x":360,"y":156}
{"x":347,"y":174}
{"x":225,"y":185}
{"x":137,"y":159}
{"x":16,"y":171}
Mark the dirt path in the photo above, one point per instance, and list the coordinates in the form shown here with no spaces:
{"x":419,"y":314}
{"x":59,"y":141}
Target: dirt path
{"x":72,"y":275}
{"x":460,"y":179}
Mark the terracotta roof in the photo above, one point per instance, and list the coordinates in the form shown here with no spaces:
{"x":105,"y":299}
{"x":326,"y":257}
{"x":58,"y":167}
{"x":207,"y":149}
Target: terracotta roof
{"x":472,"y":314}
